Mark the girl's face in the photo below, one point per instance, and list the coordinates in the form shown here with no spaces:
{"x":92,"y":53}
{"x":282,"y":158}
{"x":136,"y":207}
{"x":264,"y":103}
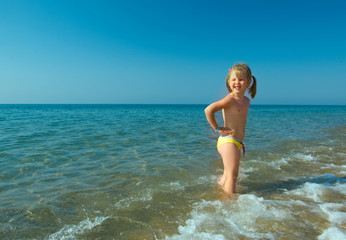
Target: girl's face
{"x":238,"y":82}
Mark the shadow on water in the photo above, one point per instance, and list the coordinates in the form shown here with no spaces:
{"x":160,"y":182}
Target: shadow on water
{"x":284,"y":185}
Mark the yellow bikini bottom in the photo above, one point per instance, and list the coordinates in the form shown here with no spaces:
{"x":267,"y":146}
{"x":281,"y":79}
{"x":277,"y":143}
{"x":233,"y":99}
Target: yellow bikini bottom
{"x":227,"y":139}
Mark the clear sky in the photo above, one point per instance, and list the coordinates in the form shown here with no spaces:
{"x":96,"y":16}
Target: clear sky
{"x":177,"y":51}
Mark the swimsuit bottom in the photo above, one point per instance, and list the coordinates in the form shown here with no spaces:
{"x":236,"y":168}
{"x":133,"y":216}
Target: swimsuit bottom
{"x":228,"y":139}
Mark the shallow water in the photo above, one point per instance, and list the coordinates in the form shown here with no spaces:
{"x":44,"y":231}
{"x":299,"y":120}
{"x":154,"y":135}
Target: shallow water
{"x":150,"y":172}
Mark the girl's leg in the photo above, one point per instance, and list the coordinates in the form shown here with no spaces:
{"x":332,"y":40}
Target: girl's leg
{"x":230,"y":157}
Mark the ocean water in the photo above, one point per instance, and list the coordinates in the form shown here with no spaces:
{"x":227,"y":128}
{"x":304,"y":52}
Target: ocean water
{"x":150,"y":172}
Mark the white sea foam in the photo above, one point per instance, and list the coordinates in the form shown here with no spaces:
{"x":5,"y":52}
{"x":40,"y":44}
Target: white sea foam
{"x":249,"y":169}
{"x":284,"y":160}
{"x":217,"y":220}
{"x":139,"y":197}
{"x":315,"y":191}
{"x":173,"y":186}
{"x":309,"y":190}
{"x":277,"y":164}
{"x":70,"y":231}
{"x":205,"y":179}
{"x":327,"y":166}
{"x":340,"y":168}
{"x":321,"y":147}
{"x":332,"y":233}
{"x":244,"y":173}
{"x":240,"y":218}
{"x":139,"y":183}
{"x":176,"y":186}
{"x":308,"y":157}
{"x":334,"y":212}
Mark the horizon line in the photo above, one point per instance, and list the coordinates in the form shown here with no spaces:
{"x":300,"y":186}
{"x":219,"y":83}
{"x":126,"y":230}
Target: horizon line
{"x":254,"y":104}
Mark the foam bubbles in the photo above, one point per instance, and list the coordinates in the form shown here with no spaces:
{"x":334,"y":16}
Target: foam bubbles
{"x":334,"y":212}
{"x":230,"y":220}
{"x":176,"y":186}
{"x":173,"y":186}
{"x":323,"y":198}
{"x":312,"y":191}
{"x":277,"y":163}
{"x":284,"y":160}
{"x":308,"y":157}
{"x":318,"y":192}
{"x":143,"y":196}
{"x":332,"y":233}
{"x":70,"y":231}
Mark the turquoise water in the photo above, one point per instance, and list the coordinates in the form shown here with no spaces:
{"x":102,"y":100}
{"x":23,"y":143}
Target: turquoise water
{"x":150,"y":172}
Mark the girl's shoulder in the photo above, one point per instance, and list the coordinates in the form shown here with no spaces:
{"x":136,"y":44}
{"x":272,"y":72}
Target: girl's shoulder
{"x":228,"y":101}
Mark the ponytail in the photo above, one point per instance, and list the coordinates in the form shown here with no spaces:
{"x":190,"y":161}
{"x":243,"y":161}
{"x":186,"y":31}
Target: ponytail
{"x":252,"y":89}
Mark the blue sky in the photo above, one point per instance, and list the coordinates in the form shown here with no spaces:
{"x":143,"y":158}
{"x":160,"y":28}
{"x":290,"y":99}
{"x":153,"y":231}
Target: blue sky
{"x":179,"y":51}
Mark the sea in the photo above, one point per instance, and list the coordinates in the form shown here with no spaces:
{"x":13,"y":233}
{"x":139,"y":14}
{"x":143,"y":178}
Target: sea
{"x":150,"y":172}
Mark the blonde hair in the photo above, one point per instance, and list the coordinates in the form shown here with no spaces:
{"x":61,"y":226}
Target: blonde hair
{"x":244,"y":69}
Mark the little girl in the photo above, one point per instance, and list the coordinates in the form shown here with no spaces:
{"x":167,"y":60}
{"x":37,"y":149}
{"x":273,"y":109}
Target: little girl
{"x":235,"y":107}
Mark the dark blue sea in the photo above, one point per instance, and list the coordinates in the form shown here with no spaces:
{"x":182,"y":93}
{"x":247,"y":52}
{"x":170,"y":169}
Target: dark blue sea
{"x":150,"y":172}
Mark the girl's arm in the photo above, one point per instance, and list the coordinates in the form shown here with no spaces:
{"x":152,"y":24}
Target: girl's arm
{"x":210,"y":114}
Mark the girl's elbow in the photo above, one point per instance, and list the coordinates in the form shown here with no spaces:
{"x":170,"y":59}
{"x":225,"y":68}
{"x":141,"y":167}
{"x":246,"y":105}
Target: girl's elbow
{"x":207,"y":110}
